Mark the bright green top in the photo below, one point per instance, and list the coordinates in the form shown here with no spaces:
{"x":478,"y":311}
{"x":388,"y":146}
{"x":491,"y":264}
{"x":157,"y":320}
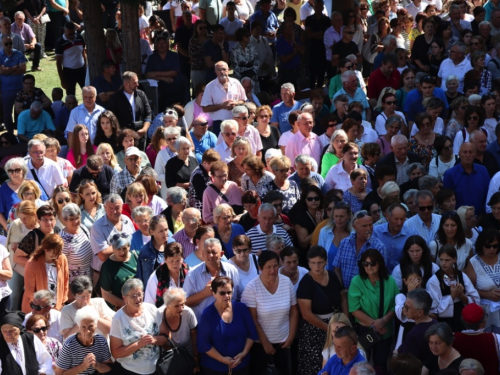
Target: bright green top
{"x":114,"y":274}
{"x":364,"y":296}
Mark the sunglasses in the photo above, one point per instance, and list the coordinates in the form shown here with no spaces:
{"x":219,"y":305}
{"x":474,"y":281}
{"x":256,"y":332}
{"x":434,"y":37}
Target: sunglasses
{"x":428,"y":208}
{"x":242,"y":251}
{"x":360,"y":214}
{"x":8,"y":44}
{"x":38,"y":307}
{"x":118,"y":236}
{"x":350,"y":32}
{"x":229,"y":134}
{"x":203,"y":124}
{"x":373,"y":263}
{"x":86,"y":182}
{"x":491,"y":246}
{"x":11,"y":171}
{"x":474,"y":118}
{"x":228,"y":293}
{"x":242,"y":118}
{"x":375,"y":212}
{"x":313,"y":199}
{"x":171,"y":139}
{"x":390,"y":102}
{"x":38,"y":330}
{"x":61,"y":201}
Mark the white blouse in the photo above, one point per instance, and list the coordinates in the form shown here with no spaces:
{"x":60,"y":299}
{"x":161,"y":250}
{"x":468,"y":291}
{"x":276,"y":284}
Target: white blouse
{"x":463,"y":252}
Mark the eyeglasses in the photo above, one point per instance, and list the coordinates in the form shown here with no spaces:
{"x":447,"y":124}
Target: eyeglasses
{"x":242,"y":118}
{"x":344,"y":332}
{"x":331,"y":125}
{"x":392,"y":102}
{"x":375,"y":212}
{"x":62,"y":200}
{"x":202,"y":124}
{"x":171,"y":139}
{"x":81,"y":298}
{"x":491,"y":246}
{"x":242,"y":251}
{"x":86,"y":182}
{"x":373,"y":263}
{"x":249,"y":206}
{"x":118,"y":236}
{"x":135,"y":296}
{"x":38,"y":330}
{"x":38,"y":307}
{"x":8,"y":44}
{"x":230,"y":134}
{"x":313,"y":199}
{"x":463,"y":107}
{"x":282,"y":170}
{"x":224,"y":176}
{"x":424,"y":208}
{"x":474,"y":118}
{"x":406,"y":307}
{"x":229,"y":292}
{"x":12,"y":171}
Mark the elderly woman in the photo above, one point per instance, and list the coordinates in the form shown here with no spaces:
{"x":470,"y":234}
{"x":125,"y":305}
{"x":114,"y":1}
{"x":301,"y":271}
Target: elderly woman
{"x":468,"y":218}
{"x":339,"y":176}
{"x":226,"y":332}
{"x":39,"y":325}
{"x":76,"y":239}
{"x":87,"y":351}
{"x":60,"y":198}
{"x":128,"y":138}
{"x":47,"y":269}
{"x":275,"y":243}
{"x":334,"y":152}
{"x":440,"y":338}
{"x":88,"y":198}
{"x":358,"y":191}
{"x":135,"y":332}
{"x":118,"y":268}
{"x":28,"y":191}
{"x":179,"y":168}
{"x":243,"y":259}
{"x":141,"y":216}
{"x":393,"y":125}
{"x":256,"y":177}
{"x":171,"y":133}
{"x":422,"y":143}
{"x":240,"y":149}
{"x":81,"y":289}
{"x":220,"y":191}
{"x":177,"y":202}
{"x":5,"y":275}
{"x":337,"y":228}
{"x":280,"y":166}
{"x":224,"y":229}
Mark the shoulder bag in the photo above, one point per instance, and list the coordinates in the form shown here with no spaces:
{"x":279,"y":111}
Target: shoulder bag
{"x":176,"y":361}
{"x":366,"y":335}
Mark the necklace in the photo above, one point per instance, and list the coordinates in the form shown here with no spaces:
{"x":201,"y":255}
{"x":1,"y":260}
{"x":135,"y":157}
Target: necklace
{"x":442,"y":362}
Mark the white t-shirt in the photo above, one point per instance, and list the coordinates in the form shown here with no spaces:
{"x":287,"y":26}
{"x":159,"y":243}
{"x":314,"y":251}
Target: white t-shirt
{"x":54,"y":321}
{"x":247,"y":276}
{"x":273,"y":310}
{"x":285,"y":138}
{"x":182,"y":337}
{"x":230,"y":28}
{"x":438,"y":127}
{"x":382,"y":118}
{"x":4,"y":287}
{"x":176,"y":4}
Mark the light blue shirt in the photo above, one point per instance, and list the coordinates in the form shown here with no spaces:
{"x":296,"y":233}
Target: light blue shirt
{"x":80,"y":115}
{"x":209,"y":140}
{"x":359,"y":96}
{"x":417,"y":226}
{"x":393,"y":244}
{"x":280,"y":115}
{"x":28,"y":126}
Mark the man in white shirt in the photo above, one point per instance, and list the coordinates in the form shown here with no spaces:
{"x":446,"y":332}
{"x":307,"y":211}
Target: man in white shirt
{"x":425,"y":223}
{"x":231,"y":24}
{"x":229,"y":131}
{"x":416,"y":7}
{"x":307,"y":10}
{"x":457,"y":65}
{"x":42,"y":304}
{"x":332,"y":35}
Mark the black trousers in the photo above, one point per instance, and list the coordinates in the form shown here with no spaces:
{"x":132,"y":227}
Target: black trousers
{"x":37,"y":51}
{"x":282,"y":359}
{"x":72,"y":77}
{"x":317,"y":70}
{"x":54,"y":29}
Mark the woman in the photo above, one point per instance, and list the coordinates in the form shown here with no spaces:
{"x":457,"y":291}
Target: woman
{"x":479,"y":73}
{"x":47,"y":269}
{"x":177,"y":202}
{"x":60,"y":199}
{"x":440,"y":338}
{"x":128,"y":138}
{"x":350,"y":20}
{"x":180,"y":167}
{"x":172,"y":133}
{"x":195,"y":48}
{"x":88,"y":198}
{"x":221,"y":191}
{"x":114,"y":49}
{"x":5,"y":276}
{"x":334,"y":152}
{"x":152,"y":189}
{"x":240,"y":149}
{"x":135,"y":196}
{"x":272,"y":295}
{"x":358,"y":191}
{"x":35,"y":10}
{"x":392,"y":127}
{"x":389,"y":105}
{"x":256,"y":177}
{"x":156,"y":27}
{"x":203,"y":233}
{"x":335,"y":83}
{"x":87,"y":351}
{"x":81,"y":147}
{"x":457,"y":123}
{"x":351,"y":128}
{"x":338,"y":176}
{"x":76,"y":239}
{"x":422,"y":143}
{"x":446,"y":202}
{"x":107,"y":130}
{"x":375,"y":43}
{"x":451,"y":83}
{"x":269,"y":135}
{"x":420,"y":49}
{"x":438,"y":55}
{"x":105,"y":151}
{"x":28,"y":191}
{"x":311,"y":202}
{"x":158,"y":143}
{"x":38,"y":325}
{"x":319,"y":297}
{"x":468,"y":218}
{"x":450,"y":289}
{"x":450,"y":232}
{"x":224,"y":229}
{"x":364,"y":297}
{"x":251,"y":203}
{"x":289,"y":266}
{"x":243,"y":56}
{"x":488,"y":103}
{"x":280,"y":166}
{"x":135,"y":332}
{"x":244,"y":260}
{"x":226,"y":332}
{"x":474,"y":120}
{"x":407,"y":83}
{"x":465,"y":37}
{"x":445,"y":33}
{"x":141,"y":216}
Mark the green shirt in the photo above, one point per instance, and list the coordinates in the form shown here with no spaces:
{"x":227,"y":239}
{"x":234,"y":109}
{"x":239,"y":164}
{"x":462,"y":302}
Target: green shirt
{"x":330,"y":160}
{"x":364,"y":296}
{"x":114,"y":274}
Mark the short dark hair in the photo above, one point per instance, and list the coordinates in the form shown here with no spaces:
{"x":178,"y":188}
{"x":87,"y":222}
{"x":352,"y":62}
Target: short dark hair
{"x":495,"y":198}
{"x":221,"y":281}
{"x":106,"y":64}
{"x":173,"y":249}
{"x":289,"y":251}
{"x":272,"y":195}
{"x":69,"y":26}
{"x":382,"y":171}
{"x":201,"y":231}
{"x":29,"y":76}
{"x":374,"y":255}
{"x":267,"y":256}
{"x":390,"y":58}
{"x":428,"y":79}
{"x":317,"y":251}
{"x":487,"y":236}
{"x":443,"y":195}
{"x":217,"y":27}
{"x":439,"y":143}
{"x":478,"y":10}
{"x":80,"y":284}
{"x":94,"y":162}
{"x":45,"y":210}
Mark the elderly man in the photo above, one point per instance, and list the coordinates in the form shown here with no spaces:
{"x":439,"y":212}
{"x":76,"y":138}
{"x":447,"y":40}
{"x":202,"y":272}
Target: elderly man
{"x":283,"y":109}
{"x":198,"y":280}
{"x":114,"y":222}
{"x":247,"y":84}
{"x":457,"y":65}
{"x":221,"y":96}
{"x":386,"y":76}
{"x":203,"y":139}
{"x":416,"y":308}
{"x":468,"y":180}
{"x":94,"y":170}
{"x":42,"y":304}
{"x":108,"y":83}
{"x":121,"y":180}
{"x":229,"y":130}
{"x":414,"y":99}
{"x":71,"y":59}
{"x":86,"y":114}
{"x":353,"y":92}
{"x":240,"y":115}
{"x":390,"y":43}
{"x":131,"y":107}
{"x":362,"y":368}
{"x":304,"y":141}
{"x":191,"y":218}
{"x":46,"y":172}
{"x":457,"y":23}
{"x":6,"y":30}
{"x":425,"y":223}
{"x":259,"y":233}
{"x":26,"y":33}
{"x":484,"y":157}
{"x":347,"y":354}
{"x":33,"y":121}
{"x":303,"y":169}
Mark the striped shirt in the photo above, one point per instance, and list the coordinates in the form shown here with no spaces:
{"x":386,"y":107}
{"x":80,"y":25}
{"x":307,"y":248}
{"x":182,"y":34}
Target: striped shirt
{"x":73,"y":353}
{"x":78,"y":250}
{"x":258,"y":237}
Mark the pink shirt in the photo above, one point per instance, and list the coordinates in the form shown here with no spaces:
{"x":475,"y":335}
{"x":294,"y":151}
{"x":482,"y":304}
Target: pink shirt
{"x":71,"y":157}
{"x":215,"y":94}
{"x":211,"y":199}
{"x":299,"y":144}
{"x":253,"y":136}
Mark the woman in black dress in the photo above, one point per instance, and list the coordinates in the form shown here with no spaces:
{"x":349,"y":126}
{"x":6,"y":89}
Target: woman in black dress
{"x":440,"y":338}
{"x":269,"y":135}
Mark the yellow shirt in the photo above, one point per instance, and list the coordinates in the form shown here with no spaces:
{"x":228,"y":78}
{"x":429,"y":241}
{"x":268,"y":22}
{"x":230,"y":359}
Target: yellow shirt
{"x":177,"y":226}
{"x":296,"y":7}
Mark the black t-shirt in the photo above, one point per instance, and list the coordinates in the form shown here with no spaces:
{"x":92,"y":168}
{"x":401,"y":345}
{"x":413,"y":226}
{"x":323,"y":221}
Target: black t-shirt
{"x":373,"y":196}
{"x":344,"y":49}
{"x":324,"y":299}
{"x":177,"y":172}
{"x":102,"y":180}
{"x":247,"y":222}
{"x":316,"y":46}
{"x":433,"y":366}
{"x":182,"y":37}
{"x":270,"y":142}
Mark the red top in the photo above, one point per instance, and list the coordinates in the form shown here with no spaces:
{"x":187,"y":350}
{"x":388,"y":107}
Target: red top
{"x":378,"y":81}
{"x":479,"y":346}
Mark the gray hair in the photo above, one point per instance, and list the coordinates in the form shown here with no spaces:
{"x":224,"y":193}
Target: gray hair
{"x":471,"y":364}
{"x":212,"y":241}
{"x":172,"y":113}
{"x":414,"y":166}
{"x":36,"y":106}
{"x":120,"y":239}
{"x":386,"y":42}
{"x":393,"y":119}
{"x":475,"y":99}
{"x":267,"y":207}
{"x":181,"y":141}
{"x":335,"y":134}
{"x":173,"y":294}
{"x":424,"y":194}
{"x":412,"y":193}
{"x":172,"y":130}
{"x":345,"y":76}
{"x":131,"y":284}
{"x":91,"y":89}
{"x":451,"y":77}
{"x":217,"y":213}
{"x":149,"y":171}
{"x":80,"y":284}
{"x":303,"y":159}
{"x":17,"y":162}
{"x":19,"y":13}
{"x":176,"y":195}
{"x":44,"y":294}
{"x":239,"y":109}
{"x":288,"y":86}
{"x":272,"y":153}
{"x":421,"y":299}
{"x":484,"y":23}
{"x":351,"y":57}
{"x":304,"y":114}
{"x":461,"y":211}
{"x":35,"y":142}
{"x":244,"y":79}
{"x":70,"y":210}
{"x":475,"y":133}
{"x":228,"y":124}
{"x":388,"y":188}
{"x":142,"y":210}
{"x":113,"y":198}
{"x":398,"y":139}
{"x":460,"y":44}
{"x":442,"y":330}
{"x":86,"y":313}
{"x":363,"y":368}
{"x":427,"y":182}
{"x":272,"y":240}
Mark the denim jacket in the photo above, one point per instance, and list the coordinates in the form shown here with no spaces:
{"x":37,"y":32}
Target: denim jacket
{"x":148,"y":256}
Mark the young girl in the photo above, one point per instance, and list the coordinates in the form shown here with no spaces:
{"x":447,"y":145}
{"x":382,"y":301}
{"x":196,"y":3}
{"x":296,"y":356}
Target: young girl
{"x":105,"y":151}
{"x":80,"y":148}
{"x":157,"y":144}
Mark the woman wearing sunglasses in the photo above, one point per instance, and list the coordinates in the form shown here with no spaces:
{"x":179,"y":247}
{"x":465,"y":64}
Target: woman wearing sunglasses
{"x":38,"y":325}
{"x":335,"y":82}
{"x":474,"y":120}
{"x":60,"y":198}
{"x":458,"y":107}
{"x":311,"y":204}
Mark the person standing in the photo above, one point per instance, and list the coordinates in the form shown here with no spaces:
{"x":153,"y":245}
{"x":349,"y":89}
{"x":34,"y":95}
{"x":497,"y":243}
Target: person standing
{"x":316,"y":25}
{"x":71,"y":59}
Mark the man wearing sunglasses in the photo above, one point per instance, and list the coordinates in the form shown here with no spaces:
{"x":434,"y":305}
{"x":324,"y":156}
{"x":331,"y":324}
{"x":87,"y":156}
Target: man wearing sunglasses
{"x":425,"y":223}
{"x":94,"y":170}
{"x":203,"y":139}
{"x":42,"y":304}
{"x":345,"y":47}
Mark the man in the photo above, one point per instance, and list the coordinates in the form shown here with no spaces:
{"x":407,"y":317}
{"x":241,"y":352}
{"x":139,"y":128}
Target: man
{"x":483,"y":156}
{"x":71,"y":59}
{"x":457,"y":23}
{"x":29,"y":39}
{"x":164,"y":66}
{"x":351,"y":248}
{"x":316,"y":25}
{"x":33,"y":121}
{"x":390,"y":44}
{"x":221,"y":96}
{"x":46,"y":172}
{"x":425,"y":223}
{"x":495,"y":22}
{"x":94,"y":170}
{"x":211,"y":11}
{"x":247,"y":84}
{"x":182,"y":36}
{"x":386,"y":76}
{"x":494,"y":147}
{"x":230,"y":24}
{"x":229,"y":131}
{"x":468,"y":180}
{"x":353,"y":92}
{"x":416,"y":308}
{"x":415,"y":7}
{"x":6,"y":30}
{"x":332,"y":35}
{"x":268,"y":20}
{"x":43,"y":301}
{"x":393,"y":234}
{"x":107,"y":83}
{"x":259,"y":233}
{"x":345,"y":47}
{"x":489,"y":7}
{"x":311,"y":8}
{"x":303,"y":169}
{"x":121,"y":180}
{"x":214,"y":50}
{"x":289,"y":51}
{"x":400,"y":158}
{"x":362,"y":368}
{"x":29,"y":94}
{"x":86,"y":114}
{"x":283,"y":109}
{"x":191,"y":218}
{"x":304,"y":141}
{"x":457,"y":65}
{"x":347,"y":354}
{"x":131,"y":107}
{"x":203,"y":139}
{"x":62,"y":117}
{"x":198,"y":280}
{"x":104,"y":228}
{"x":494,"y":65}
{"x":426,"y":89}
{"x":479,"y":15}
{"x":476,"y":344}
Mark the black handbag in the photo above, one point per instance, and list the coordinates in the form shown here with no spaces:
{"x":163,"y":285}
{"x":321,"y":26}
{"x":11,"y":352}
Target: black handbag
{"x":176,"y":361}
{"x":366,"y":335}
{"x":270,"y":367}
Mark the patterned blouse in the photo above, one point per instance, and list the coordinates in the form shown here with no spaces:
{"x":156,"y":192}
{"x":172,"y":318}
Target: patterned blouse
{"x":54,"y":347}
{"x":26,"y":100}
{"x":426,"y":152}
{"x":260,"y":187}
{"x":195,"y":49}
{"x":243,"y":60}
{"x":453,"y":128}
{"x":78,"y":251}
{"x":234,"y":173}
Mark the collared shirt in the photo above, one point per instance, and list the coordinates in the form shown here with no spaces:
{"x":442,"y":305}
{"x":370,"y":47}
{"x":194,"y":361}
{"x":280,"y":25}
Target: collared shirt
{"x":253,"y":136}
{"x":281,"y":113}
{"x":87,"y":219}
{"x":209,"y":140}
{"x":120,"y":181}
{"x":17,"y":41}
{"x":49,"y":175}
{"x":489,"y":7}
{"x":215,"y":94}
{"x":359,"y":96}
{"x":338,"y":178}
{"x":81,"y":115}
{"x":269,"y":23}
{"x":12,"y":82}
{"x":187,"y":243}
{"x":198,"y":277}
{"x":465,"y":25}
{"x":413,"y":103}
{"x":329,"y":39}
{"x":42,"y":356}
{"x":25,"y":32}
{"x":258,"y":237}
{"x":224,"y":151}
{"x":448,"y":68}
{"x":417,"y":226}
{"x":402,"y":169}
{"x":54,"y":321}
{"x":299,"y":144}
{"x":320,"y":181}
{"x":393,"y":244}
{"x":378,"y":81}
{"x":71,"y":51}
{"x":131,"y":100}
{"x":335,"y":366}
{"x":494,"y":148}
{"x":101,"y":85}
{"x":347,"y":259}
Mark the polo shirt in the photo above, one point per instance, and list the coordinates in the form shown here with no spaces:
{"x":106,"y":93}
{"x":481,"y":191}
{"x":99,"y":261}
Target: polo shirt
{"x":414,"y":10}
{"x":338,"y":178}
{"x":393,"y":244}
{"x":28,"y":126}
{"x":209,"y":140}
{"x":465,"y":25}
{"x":414,"y":106}
{"x":417,"y":226}
{"x":359,"y":96}
{"x":25,"y":32}
{"x":335,"y":366}
{"x":449,"y":68}
{"x":343,"y":49}
{"x":18,"y":43}
{"x":80,"y":115}
{"x":378,"y":81}
{"x":11,"y":82}
{"x":49,"y":175}
{"x":299,"y":144}
{"x":269,"y":23}
{"x":71,"y":51}
{"x":281,"y":113}
{"x":213,"y":50}
{"x":215,"y":94}
{"x":258,"y":237}
{"x":168,"y":64}
{"x":213,"y":10}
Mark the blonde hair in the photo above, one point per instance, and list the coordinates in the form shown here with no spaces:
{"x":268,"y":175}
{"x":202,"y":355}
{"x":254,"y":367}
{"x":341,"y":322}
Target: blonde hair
{"x":279,"y":162}
{"x":82,"y":187}
{"x":40,"y":136}
{"x":238,"y":142}
{"x":29,"y":185}
{"x":113,"y":162}
{"x":336,"y":318}
{"x":136,"y":188}
{"x":27,"y":208}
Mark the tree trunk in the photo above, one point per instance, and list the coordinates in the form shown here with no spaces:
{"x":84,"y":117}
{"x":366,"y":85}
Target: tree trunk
{"x":342,"y":6}
{"x":94,"y":37}
{"x":130,"y":37}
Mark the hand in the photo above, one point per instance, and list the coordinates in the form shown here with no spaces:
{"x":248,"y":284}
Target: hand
{"x":456,"y":290}
{"x":168,"y":79}
{"x":288,"y":343}
{"x":142,"y":132}
{"x":413,"y":283}
{"x":227,"y":104}
{"x":495,"y":295}
{"x":89,"y":360}
{"x":319,"y":216}
{"x":208,"y":289}
{"x":268,"y":348}
{"x":14,"y":246}
{"x":103,"y":8}
{"x":65,"y":12}
{"x":239,"y":357}
{"x":378,"y":324}
{"x":146,"y":340}
{"x":221,"y":44}
{"x":383,"y":331}
{"x":227,"y":361}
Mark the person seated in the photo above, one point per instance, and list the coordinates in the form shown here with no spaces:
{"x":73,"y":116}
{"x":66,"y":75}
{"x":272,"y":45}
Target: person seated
{"x":107,"y":83}
{"x":33,"y":121}
{"x":29,"y":94}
